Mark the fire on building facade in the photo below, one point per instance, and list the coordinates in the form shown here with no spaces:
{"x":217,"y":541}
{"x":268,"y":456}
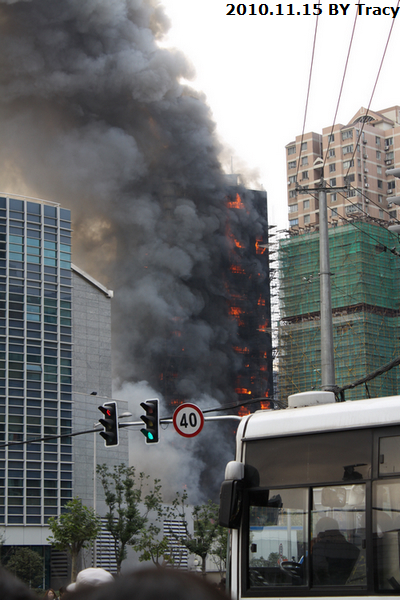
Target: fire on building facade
{"x":244,"y":276}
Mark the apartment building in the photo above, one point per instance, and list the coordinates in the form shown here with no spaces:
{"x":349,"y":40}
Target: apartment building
{"x":355,"y":159}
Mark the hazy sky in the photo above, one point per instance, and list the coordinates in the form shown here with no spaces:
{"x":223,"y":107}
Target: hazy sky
{"x":254,"y":71}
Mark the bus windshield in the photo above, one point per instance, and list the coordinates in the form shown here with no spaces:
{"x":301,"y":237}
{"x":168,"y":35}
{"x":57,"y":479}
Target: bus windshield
{"x":291,"y":544}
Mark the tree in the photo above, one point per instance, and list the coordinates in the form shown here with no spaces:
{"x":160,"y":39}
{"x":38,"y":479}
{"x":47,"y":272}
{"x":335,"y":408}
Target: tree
{"x":73,"y":530}
{"x":128,"y":506}
{"x":206,"y":529}
{"x":27,"y":565}
{"x":219,"y":549}
{"x":153,"y":546}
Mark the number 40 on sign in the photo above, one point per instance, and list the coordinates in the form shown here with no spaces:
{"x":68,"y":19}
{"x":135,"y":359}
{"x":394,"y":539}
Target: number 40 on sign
{"x":188,"y":420}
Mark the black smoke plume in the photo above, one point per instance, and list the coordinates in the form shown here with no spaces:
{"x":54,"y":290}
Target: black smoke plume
{"x":94,"y":116}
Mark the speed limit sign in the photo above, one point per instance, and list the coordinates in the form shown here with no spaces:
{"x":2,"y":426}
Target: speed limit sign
{"x":188,"y":420}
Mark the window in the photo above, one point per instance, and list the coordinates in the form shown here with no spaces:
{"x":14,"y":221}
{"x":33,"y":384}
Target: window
{"x":377,"y":140}
{"x":348,"y":149}
{"x":392,"y":214}
{"x":293,"y":208}
{"x":306,"y":204}
{"x":353,"y":208}
{"x":304,"y":160}
{"x":386,"y":508}
{"x":332,"y":168}
{"x":286,"y":511}
{"x":331,"y":152}
{"x":306,"y":219}
{"x":391,"y":185}
{"x":313,"y":535}
{"x":291,"y":150}
{"x":380,"y":184}
{"x":304,"y":175}
{"x":389,"y":141}
{"x":348,"y":164}
{"x":293,"y":222}
{"x":303,"y":146}
{"x":292,"y":179}
{"x":331,"y":138}
{"x":338,"y":536}
{"x":346,"y":135}
{"x":292,"y":194}
{"x":292,"y":164}
{"x":378,"y":155}
{"x":379,"y":170}
{"x":332,"y":182}
{"x":390,"y":155}
{"x":333,"y":197}
{"x":380,"y":198}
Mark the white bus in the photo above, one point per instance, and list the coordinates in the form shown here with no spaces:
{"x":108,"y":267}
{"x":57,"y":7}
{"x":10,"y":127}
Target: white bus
{"x":313,"y":500}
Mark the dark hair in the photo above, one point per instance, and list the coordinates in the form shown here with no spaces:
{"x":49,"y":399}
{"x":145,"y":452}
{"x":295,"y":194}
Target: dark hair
{"x":152,"y":584}
{"x":12,"y":588}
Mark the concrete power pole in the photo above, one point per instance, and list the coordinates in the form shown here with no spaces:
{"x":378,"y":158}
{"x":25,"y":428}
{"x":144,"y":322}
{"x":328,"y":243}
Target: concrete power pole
{"x":327,"y":352}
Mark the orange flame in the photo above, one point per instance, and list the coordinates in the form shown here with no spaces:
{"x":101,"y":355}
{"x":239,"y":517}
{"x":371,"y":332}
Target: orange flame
{"x":243,"y":410}
{"x":242,"y":391}
{"x":237,"y":269}
{"x":259,"y":249}
{"x":265,"y":405}
{"x":236,"y":203}
{"x":241,"y":350}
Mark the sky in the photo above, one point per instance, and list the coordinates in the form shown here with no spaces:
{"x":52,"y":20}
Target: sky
{"x":254,"y":71}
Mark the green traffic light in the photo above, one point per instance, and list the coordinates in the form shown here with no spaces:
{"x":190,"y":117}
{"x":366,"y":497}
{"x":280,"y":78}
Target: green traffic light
{"x":150,"y":436}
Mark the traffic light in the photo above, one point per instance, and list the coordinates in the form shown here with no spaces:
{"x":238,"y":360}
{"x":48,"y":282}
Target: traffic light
{"x":151,"y":431}
{"x":110,"y":423}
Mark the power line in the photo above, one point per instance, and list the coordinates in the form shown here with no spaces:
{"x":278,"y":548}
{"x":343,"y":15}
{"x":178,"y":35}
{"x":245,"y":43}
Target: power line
{"x":375,"y":84}
{"x":308,"y":92}
{"x":342,"y":84}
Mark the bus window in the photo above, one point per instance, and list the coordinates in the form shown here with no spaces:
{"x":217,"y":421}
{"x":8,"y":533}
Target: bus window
{"x":338,"y":536}
{"x":386,"y":529}
{"x":311,"y":459}
{"x":389,"y":455}
{"x":277,"y":538}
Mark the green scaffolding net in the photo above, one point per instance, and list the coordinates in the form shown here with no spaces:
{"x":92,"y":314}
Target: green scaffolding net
{"x":365,"y":309}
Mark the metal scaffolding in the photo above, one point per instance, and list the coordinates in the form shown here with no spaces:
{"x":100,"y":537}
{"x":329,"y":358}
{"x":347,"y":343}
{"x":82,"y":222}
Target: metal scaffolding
{"x":365,"y":309}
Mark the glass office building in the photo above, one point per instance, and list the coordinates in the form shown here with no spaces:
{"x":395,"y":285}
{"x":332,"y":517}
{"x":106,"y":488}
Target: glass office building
{"x":35,"y":360}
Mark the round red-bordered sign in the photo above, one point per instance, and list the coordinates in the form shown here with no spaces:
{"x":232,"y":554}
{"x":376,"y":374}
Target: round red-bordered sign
{"x":188,"y":420}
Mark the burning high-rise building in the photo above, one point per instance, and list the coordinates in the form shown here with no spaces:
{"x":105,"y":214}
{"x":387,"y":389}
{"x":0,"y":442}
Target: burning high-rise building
{"x":245,"y":279}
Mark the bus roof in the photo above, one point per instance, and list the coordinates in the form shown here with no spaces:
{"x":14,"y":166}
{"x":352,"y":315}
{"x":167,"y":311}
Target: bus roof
{"x":325,"y":417}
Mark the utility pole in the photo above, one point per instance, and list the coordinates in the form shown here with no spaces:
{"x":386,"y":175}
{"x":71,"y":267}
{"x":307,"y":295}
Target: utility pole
{"x":327,"y":353}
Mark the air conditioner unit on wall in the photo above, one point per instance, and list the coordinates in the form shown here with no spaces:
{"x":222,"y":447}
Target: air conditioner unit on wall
{"x":367,"y":185}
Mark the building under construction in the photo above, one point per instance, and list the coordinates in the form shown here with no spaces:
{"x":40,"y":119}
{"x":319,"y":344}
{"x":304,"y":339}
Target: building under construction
{"x":365,"y":309}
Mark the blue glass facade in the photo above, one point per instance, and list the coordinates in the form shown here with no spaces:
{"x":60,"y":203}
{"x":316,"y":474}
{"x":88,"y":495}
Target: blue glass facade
{"x":35,"y":360}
